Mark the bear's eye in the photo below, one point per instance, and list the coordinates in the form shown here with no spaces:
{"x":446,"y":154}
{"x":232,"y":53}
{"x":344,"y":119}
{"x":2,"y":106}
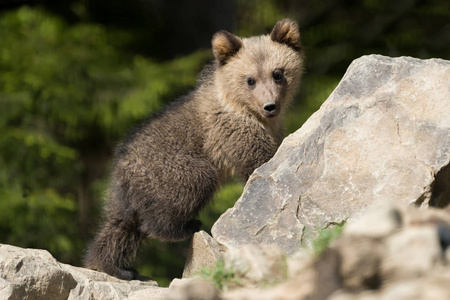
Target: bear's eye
{"x":277,"y":75}
{"x":251,"y":81}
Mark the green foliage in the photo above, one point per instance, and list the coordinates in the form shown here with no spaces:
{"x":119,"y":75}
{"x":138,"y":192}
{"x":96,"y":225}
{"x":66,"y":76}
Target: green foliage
{"x":40,"y":218}
{"x":325,"y":237}
{"x":67,"y":94}
{"x":221,"y":276}
{"x":255,"y":17}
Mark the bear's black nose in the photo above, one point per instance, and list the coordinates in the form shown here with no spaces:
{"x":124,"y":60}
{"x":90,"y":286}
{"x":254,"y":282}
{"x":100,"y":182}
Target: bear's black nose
{"x":270,"y":107}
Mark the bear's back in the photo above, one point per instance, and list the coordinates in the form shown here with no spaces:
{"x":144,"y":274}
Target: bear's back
{"x":166,"y":133}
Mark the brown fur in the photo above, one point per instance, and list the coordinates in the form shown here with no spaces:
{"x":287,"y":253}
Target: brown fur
{"x":225,"y":45}
{"x":169,"y":167}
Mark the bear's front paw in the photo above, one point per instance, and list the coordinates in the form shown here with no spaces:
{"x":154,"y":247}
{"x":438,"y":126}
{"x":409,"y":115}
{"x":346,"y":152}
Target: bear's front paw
{"x":126,"y":273}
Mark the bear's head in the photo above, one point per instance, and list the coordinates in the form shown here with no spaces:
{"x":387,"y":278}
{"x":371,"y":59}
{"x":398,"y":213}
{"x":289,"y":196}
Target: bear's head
{"x":259,"y":75}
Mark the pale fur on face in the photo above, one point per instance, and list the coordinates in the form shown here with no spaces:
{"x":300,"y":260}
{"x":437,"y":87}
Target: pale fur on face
{"x":258,"y":58}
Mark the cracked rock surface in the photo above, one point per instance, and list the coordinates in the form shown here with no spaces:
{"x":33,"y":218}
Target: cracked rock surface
{"x":382,"y":135}
{"x":35,"y":274}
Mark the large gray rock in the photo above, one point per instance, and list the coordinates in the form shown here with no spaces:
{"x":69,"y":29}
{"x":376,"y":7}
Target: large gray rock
{"x":35,"y":274}
{"x":383,"y":134}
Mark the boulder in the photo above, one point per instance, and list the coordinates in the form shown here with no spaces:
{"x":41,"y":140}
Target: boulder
{"x":35,"y":274}
{"x":192,"y":289}
{"x":412,"y":253}
{"x":382,"y":135}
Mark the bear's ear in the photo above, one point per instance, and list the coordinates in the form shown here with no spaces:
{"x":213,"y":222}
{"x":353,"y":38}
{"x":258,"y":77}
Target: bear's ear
{"x":225,"y":45}
{"x":286,"y":32}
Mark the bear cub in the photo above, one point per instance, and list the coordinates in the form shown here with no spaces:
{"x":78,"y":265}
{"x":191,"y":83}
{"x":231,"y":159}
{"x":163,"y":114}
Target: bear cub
{"x":169,"y":167}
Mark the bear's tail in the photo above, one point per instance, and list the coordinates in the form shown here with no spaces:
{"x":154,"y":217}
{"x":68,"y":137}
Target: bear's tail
{"x":113,"y":249}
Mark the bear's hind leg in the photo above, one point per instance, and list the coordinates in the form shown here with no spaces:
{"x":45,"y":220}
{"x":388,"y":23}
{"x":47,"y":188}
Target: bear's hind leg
{"x":113,"y":248}
{"x":174,"y":232}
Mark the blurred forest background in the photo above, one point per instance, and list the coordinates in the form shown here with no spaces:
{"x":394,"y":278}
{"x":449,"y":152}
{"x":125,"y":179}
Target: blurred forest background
{"x":75,"y":75}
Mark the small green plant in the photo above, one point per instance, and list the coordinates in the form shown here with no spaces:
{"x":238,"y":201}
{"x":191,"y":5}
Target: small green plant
{"x":220,"y":275}
{"x":325,"y":237}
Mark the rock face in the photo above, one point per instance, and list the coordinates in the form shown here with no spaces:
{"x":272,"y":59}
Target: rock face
{"x":35,"y":274}
{"x":382,"y":135}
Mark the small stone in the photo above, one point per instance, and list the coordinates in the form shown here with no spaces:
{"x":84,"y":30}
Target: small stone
{"x":377,"y":222}
{"x":411,"y":252}
{"x":298,"y":262}
{"x":360,"y":259}
{"x":297,"y":288}
{"x":430,"y":216}
{"x":192,"y":289}
{"x":204,"y":252}
{"x":258,"y":264}
{"x":149,"y":294}
{"x":418,"y":289}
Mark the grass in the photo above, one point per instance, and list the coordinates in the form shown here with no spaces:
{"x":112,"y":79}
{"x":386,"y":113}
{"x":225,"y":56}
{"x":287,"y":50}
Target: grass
{"x":325,"y":237}
{"x":221,"y":276}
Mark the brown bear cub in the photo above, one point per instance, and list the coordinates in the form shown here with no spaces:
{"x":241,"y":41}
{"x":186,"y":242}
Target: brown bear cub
{"x":169,"y":167}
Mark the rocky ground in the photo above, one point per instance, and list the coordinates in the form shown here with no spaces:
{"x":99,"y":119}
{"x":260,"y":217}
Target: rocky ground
{"x":374,"y":160}
{"x":35,"y":274}
{"x":389,"y":253}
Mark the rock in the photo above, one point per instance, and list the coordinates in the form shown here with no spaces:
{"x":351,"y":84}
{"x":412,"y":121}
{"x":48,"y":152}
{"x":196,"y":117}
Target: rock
{"x":257,"y":265}
{"x":299,"y":287}
{"x":378,"y":222}
{"x":149,"y":293}
{"x":408,"y":263}
{"x":192,"y":289}
{"x":360,"y":259}
{"x":97,"y":285}
{"x":297,"y":263}
{"x":431,"y":216}
{"x":35,"y":274}
{"x":434,"y":286}
{"x":204,"y":252}
{"x":411,"y":253}
{"x":383,"y":134}
{"x":327,"y":278}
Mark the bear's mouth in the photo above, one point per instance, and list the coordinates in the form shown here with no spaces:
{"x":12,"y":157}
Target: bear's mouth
{"x":270,"y":115}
